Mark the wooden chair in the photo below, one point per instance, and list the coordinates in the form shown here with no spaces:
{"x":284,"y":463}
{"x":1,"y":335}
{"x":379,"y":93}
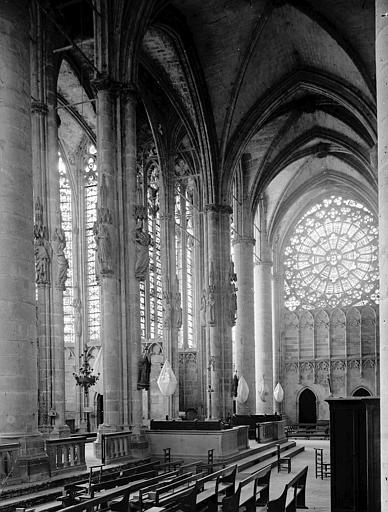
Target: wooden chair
{"x":283,"y":462}
{"x":322,"y":468}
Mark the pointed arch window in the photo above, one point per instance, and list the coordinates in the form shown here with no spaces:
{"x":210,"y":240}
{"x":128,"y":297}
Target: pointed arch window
{"x":187,"y":247}
{"x":151,"y":303}
{"x":66,"y":209}
{"x":90,"y":216}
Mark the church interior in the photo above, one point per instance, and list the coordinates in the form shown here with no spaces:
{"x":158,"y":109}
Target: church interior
{"x":195,"y":207}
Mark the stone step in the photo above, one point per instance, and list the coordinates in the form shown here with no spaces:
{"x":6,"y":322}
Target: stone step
{"x":263,"y":456}
{"x":255,"y":449}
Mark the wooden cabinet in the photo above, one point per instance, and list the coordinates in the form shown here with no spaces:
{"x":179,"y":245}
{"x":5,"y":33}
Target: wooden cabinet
{"x":355,"y":454}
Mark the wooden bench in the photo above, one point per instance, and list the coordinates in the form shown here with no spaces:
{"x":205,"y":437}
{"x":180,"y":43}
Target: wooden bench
{"x":116,"y":500}
{"x":252,"y":492}
{"x":151,"y":494}
{"x":293,"y":496}
{"x":75,"y":489}
{"x":204,"y":494}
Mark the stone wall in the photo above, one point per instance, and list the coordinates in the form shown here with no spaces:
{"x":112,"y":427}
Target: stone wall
{"x":331,"y":352}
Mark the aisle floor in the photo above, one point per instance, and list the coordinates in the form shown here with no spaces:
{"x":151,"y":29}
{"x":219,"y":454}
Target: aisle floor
{"x":317,"y":490}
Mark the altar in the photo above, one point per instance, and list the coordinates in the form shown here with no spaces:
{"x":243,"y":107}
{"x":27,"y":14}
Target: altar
{"x":193,"y":445}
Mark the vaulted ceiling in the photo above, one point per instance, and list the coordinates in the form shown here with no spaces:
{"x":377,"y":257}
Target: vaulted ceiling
{"x":292,"y":83}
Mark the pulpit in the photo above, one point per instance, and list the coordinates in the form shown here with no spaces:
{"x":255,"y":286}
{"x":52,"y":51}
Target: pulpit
{"x":355,"y":454}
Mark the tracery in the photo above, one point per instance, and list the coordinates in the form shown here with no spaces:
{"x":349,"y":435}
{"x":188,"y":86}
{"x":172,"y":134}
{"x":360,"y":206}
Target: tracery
{"x":331,"y":257}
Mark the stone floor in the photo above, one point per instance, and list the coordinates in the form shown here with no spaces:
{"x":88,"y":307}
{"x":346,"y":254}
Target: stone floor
{"x":317,"y":490}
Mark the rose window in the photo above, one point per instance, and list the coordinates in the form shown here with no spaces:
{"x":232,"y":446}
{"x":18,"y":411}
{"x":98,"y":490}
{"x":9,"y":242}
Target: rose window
{"x":331,"y":257}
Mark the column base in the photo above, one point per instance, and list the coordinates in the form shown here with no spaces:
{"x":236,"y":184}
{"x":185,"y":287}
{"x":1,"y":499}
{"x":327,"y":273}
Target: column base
{"x":60,"y":431}
{"x":29,"y":462}
{"x":97,"y":445}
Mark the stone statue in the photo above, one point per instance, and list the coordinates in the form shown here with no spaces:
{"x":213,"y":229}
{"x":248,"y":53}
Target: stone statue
{"x":144,"y":371}
{"x":211,"y":302}
{"x":166,"y":310}
{"x":62,"y":262}
{"x":42,"y":261}
{"x":77,"y":305}
{"x":232,"y":303}
{"x":203,"y":307}
{"x":103,"y":249}
{"x":143,"y":241}
{"x":178,"y":305}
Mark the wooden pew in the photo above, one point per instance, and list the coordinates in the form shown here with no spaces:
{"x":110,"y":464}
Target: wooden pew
{"x":252,"y":492}
{"x":293,"y":496}
{"x":79,"y":487}
{"x":204,"y":494}
{"x":117,"y":499}
{"x":149,"y":495}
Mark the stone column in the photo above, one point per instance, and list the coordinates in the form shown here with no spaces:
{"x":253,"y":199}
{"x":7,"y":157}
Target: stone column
{"x":60,"y":264}
{"x":245,"y":324}
{"x":382,"y":144}
{"x":133,"y":341}
{"x":170,"y":284}
{"x":107,"y":254}
{"x":263,"y":321}
{"x":18,"y":349}
{"x":219,"y":353}
{"x":243,"y":247}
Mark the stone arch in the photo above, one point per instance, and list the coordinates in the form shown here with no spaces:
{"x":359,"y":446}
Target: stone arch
{"x":368,"y":331}
{"x":321,"y":333}
{"x":353,"y":332}
{"x":290,"y":335}
{"x":337,"y":333}
{"x":306,"y":335}
{"x":361,"y":391}
{"x":307,"y":404}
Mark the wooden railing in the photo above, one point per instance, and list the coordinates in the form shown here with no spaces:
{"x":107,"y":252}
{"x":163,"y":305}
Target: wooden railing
{"x":119,"y":446}
{"x":66,"y":454}
{"x":8,"y":456}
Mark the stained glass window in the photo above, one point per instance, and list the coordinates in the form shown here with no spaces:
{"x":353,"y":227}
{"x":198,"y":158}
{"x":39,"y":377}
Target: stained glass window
{"x":186,"y":243}
{"x":331,"y":258}
{"x":151,"y":297}
{"x":93,"y":289}
{"x":65,"y":197}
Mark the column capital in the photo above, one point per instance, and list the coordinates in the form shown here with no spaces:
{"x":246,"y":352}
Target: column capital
{"x":38,"y":107}
{"x":264,"y":262}
{"x":126,"y":90}
{"x":218,"y":208}
{"x":240,"y":239}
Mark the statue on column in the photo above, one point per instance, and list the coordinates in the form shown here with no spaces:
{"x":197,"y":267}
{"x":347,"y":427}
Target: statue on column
{"x":77,"y":305}
{"x":103,"y":249}
{"x":42,"y":248}
{"x":42,"y":252}
{"x":166,"y":310}
{"x":232,"y":295}
{"x":211,"y":297}
{"x":144,"y":371}
{"x":178,"y":307}
{"x":62,"y":262}
{"x":203,"y":307}
{"x":143,"y":241}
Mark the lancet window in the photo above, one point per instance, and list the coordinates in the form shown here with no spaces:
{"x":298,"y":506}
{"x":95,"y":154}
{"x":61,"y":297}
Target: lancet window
{"x":187,"y":246}
{"x":90,"y":215}
{"x":66,"y":209}
{"x":148,"y":239}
